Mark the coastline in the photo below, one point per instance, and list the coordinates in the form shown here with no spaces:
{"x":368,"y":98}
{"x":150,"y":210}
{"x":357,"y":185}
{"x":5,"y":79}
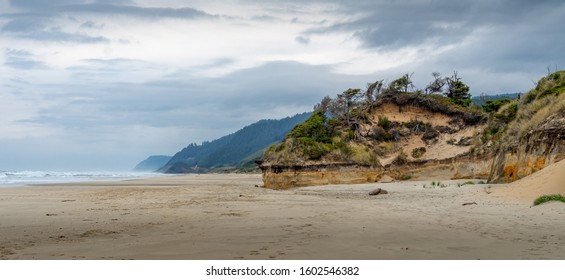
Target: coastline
{"x":9,"y":179}
{"x":224,"y":216}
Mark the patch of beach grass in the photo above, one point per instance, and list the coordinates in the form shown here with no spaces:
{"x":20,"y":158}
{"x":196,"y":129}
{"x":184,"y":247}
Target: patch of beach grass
{"x":406,"y":177}
{"x":549,"y":197}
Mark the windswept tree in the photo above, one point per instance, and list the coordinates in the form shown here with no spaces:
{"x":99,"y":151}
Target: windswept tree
{"x":341,"y":107}
{"x":458,"y":91}
{"x":374,"y":90}
{"x":350,"y":97}
{"x":437,"y":85}
{"x":324,"y":105}
{"x":401,"y":84}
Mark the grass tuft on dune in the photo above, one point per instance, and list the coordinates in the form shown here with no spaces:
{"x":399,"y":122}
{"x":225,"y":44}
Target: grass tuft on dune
{"x":547,"y":198}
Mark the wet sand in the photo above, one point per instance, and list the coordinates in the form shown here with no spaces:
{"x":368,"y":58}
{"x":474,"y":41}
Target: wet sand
{"x":226,"y":217}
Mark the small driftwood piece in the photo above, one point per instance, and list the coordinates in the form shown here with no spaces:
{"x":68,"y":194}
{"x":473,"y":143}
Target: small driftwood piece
{"x":377,"y":191}
{"x":469,"y":203}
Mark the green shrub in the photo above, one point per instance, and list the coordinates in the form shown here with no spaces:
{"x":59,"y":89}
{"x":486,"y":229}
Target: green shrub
{"x":335,"y":123}
{"x":418,"y":152}
{"x":547,"y":198}
{"x":530,"y":96}
{"x":275,"y":148}
{"x":430,"y":134}
{"x":280,"y":147}
{"x":385,"y":123}
{"x":314,"y":128}
{"x":400,"y":159}
{"x":363,"y":155}
{"x":512,"y":110}
{"x":342,"y":147}
{"x":494,"y":105}
{"x":350,"y":135}
{"x":418,"y":126}
{"x":509,"y":113}
{"x":406,"y":177}
{"x":380,"y":134}
{"x":492,"y":130}
{"x":551,"y":85}
{"x":312,"y":149}
{"x":556,"y":90}
{"x":468,"y":183}
{"x":464,"y":102}
{"x":384,"y":148}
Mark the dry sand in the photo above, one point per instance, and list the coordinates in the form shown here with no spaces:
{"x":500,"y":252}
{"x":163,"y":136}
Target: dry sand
{"x":550,"y":180}
{"x":226,"y":217}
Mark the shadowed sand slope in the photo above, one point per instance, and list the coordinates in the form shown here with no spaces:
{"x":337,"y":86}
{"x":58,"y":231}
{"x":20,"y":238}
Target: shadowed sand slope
{"x":227,"y":217}
{"x":550,"y":180}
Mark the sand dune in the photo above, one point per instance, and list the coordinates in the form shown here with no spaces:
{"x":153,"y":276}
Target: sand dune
{"x":550,"y":180}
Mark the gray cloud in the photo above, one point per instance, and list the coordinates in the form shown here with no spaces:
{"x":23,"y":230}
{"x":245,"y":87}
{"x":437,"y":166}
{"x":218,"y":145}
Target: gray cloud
{"x":184,"y":100}
{"x":512,"y":40}
{"x":214,"y":64}
{"x":25,"y":23}
{"x":22,"y":59}
{"x":38,"y":4}
{"x":33,"y":20}
{"x":92,"y":25}
{"x":394,"y":24}
{"x":124,"y":8}
{"x":37,"y":28}
{"x":136,"y":11}
{"x":302,"y":40}
{"x":266,"y":18}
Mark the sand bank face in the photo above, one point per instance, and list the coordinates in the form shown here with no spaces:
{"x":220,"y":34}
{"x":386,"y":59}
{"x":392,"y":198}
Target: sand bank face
{"x":226,"y":217}
{"x":550,"y":180}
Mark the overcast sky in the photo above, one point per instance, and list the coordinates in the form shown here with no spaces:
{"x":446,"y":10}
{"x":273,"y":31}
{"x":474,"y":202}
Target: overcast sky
{"x":100,"y":84}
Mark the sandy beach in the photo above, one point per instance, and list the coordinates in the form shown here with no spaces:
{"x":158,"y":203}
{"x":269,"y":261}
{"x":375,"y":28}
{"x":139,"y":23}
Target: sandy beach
{"x":224,"y":216}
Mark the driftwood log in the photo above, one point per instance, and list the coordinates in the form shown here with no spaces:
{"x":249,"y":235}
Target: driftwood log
{"x":378,"y":191}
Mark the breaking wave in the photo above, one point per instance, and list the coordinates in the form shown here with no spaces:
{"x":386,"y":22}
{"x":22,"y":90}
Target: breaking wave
{"x":16,"y":178}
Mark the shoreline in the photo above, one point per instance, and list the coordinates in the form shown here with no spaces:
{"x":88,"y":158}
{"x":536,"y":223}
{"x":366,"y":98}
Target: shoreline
{"x":17,"y":179}
{"x":224,"y":216}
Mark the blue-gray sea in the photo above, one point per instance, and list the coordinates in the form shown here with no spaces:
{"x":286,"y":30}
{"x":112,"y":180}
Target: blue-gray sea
{"x":22,"y":178}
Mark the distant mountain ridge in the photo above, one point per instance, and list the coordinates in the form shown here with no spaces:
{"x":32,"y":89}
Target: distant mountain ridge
{"x":152,"y":163}
{"x":238,"y":150}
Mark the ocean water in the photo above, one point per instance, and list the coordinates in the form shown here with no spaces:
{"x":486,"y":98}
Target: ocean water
{"x":22,"y":178}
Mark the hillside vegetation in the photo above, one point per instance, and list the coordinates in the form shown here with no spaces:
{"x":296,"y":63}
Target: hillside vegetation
{"x":385,"y":124}
{"x":368,"y":127}
{"x":544,"y":101}
{"x":512,"y":120}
